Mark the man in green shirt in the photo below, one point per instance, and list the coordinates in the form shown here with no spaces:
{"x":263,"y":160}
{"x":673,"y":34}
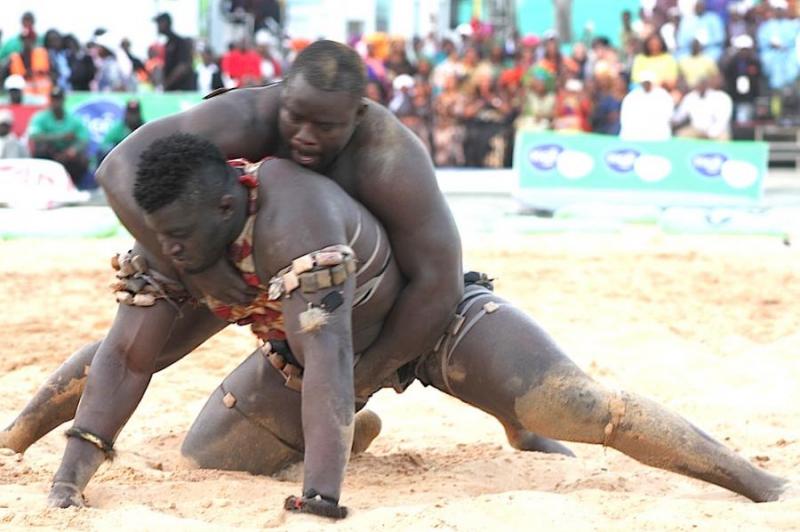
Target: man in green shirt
{"x":14,"y":44}
{"x":60,"y":136}
{"x":122,"y":128}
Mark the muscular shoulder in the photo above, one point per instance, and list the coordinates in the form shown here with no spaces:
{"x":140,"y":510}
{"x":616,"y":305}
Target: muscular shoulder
{"x":388,"y":151}
{"x":300,"y":212}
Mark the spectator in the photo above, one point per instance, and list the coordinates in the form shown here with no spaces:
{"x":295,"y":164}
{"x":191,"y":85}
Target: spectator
{"x":59,"y":64}
{"x":697,"y":66}
{"x":33,"y":64}
{"x":15,"y":87}
{"x":209,"y":75}
{"x":743,"y":79}
{"x":448,"y":67}
{"x":20,"y":105}
{"x":603,"y":60}
{"x":412,"y":109}
{"x":137,"y":66}
{"x":575,"y":64}
{"x":375,"y":92}
{"x":397,"y":62}
{"x":626,"y":35}
{"x":448,"y":126}
{"x":60,"y":136}
{"x":492,"y":66}
{"x":669,"y":30}
{"x":10,"y":145}
{"x":707,"y":111}
{"x":538,"y":107}
{"x":703,"y":26}
{"x":550,"y":66}
{"x":270,"y":67}
{"x":155,"y":65}
{"x":606,"y":112}
{"x":115,"y":73}
{"x":15,"y":43}
{"x":646,"y":111}
{"x":488,"y":120}
{"x":131,"y":121}
{"x":81,"y":65}
{"x":178,"y":68}
{"x":657,"y":62}
{"x":777,"y":38}
{"x":573,"y":109}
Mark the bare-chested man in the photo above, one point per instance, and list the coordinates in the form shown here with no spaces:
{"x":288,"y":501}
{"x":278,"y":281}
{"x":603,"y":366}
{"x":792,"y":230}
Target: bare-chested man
{"x":319,"y":119}
{"x":323,"y":293}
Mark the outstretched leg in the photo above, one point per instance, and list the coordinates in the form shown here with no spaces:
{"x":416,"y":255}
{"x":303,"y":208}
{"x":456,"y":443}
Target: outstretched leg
{"x":57,"y":400}
{"x":507,"y":366}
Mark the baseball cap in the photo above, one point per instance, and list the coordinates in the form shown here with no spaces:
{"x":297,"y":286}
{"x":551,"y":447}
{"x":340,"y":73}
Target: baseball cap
{"x":14,"y":81}
{"x":6,"y":116}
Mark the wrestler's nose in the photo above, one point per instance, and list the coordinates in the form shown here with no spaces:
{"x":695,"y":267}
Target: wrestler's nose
{"x":305,"y":136}
{"x":171,"y":249}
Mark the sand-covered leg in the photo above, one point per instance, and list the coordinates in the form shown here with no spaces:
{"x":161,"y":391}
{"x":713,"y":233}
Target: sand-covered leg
{"x":509,"y":367}
{"x":57,"y":399}
{"x":53,"y":404}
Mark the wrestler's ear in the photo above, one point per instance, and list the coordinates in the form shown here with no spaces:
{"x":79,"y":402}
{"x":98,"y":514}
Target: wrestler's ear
{"x":225,"y":206}
{"x":362,"y":110}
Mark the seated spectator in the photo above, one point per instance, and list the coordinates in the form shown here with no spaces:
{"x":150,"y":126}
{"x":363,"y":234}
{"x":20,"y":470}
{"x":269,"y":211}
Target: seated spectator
{"x":646,"y":111}
{"x":572,"y":108}
{"x":538,"y":107}
{"x":33,"y":64}
{"x":131,"y":121}
{"x":448,"y":125}
{"x":155,"y":65}
{"x":743,"y":79}
{"x":704,"y":26}
{"x":696,"y":66}
{"x":657,"y":62}
{"x":707,"y":111}
{"x":60,"y":136}
{"x":669,"y":30}
{"x":11,"y":147}
{"x":608,"y":104}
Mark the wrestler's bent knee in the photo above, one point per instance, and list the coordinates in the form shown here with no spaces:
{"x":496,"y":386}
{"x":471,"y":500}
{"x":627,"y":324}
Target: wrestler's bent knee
{"x":223,"y":438}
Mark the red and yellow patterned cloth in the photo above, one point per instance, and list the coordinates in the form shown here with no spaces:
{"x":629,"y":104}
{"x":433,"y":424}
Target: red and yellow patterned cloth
{"x":265,"y":317}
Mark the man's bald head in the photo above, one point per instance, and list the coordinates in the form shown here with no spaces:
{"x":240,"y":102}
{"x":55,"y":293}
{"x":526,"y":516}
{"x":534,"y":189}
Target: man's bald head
{"x":331,"y":66}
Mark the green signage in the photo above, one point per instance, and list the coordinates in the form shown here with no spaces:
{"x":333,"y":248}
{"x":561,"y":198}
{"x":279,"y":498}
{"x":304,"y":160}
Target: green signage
{"x":560,"y":169}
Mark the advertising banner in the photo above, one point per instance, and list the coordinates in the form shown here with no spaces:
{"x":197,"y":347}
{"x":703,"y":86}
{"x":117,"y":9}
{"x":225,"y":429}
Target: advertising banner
{"x":554,"y":170}
{"x":99,"y":110}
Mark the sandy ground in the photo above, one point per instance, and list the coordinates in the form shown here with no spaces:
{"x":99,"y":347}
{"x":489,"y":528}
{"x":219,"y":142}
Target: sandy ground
{"x":707,"y":326}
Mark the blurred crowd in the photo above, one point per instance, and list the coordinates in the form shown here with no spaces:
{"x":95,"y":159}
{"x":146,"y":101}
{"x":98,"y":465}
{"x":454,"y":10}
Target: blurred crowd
{"x":681,"y":67}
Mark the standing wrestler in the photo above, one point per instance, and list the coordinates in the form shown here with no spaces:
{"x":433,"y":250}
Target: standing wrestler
{"x":319,"y":119}
{"x":326,"y":292}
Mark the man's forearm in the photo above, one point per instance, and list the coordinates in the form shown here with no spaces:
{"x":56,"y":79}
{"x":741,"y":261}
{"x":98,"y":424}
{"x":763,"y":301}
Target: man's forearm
{"x":113,"y":392}
{"x":415,"y":323}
